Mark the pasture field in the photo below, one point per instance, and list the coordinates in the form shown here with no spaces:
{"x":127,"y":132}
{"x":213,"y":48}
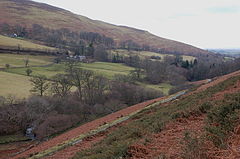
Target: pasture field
{"x":14,"y":85}
{"x":14,"y":81}
{"x":163,"y":87}
{"x":15,"y":42}
{"x":144,"y":54}
{"x":104,"y":68}
{"x":189,"y":58}
{"x":141,"y":54}
{"x":16,"y":60}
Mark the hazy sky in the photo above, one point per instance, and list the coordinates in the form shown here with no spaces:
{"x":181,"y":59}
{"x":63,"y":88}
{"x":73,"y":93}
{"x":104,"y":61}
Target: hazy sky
{"x":202,"y":23}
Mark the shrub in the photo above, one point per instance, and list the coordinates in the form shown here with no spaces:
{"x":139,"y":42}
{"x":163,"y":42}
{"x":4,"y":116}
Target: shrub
{"x":205,"y":107}
{"x":28,"y":71}
{"x":192,"y":147}
{"x":221,"y":121}
{"x":7,"y":66}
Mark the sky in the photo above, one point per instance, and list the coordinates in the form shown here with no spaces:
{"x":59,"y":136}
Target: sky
{"x":202,"y":23}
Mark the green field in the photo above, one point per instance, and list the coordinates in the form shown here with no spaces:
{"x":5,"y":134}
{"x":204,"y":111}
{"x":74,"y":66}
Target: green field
{"x":15,"y":60}
{"x":14,"y":85}
{"x":15,"y":81}
{"x":163,"y":87}
{"x":106,"y":69}
{"x":147,"y":54}
{"x":14,"y":42}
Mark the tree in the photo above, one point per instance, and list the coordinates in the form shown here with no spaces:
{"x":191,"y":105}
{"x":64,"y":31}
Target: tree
{"x":40,"y":85}
{"x":156,"y":72}
{"x":101,"y":54}
{"x":79,"y":77}
{"x":94,"y":88}
{"x":57,"y":60}
{"x":28,"y":71}
{"x":7,"y":66}
{"x":90,"y":50}
{"x":5,"y":28}
{"x":61,"y":85}
{"x":26,"y":61}
{"x":136,"y":74}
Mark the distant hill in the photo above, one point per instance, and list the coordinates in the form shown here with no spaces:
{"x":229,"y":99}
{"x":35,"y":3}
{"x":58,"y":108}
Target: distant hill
{"x":26,"y":13}
{"x":228,"y":52}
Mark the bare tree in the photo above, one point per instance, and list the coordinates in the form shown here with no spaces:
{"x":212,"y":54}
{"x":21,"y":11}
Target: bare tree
{"x":26,"y":61}
{"x":40,"y":85}
{"x":94,"y":88}
{"x":79,"y":78}
{"x":61,"y":85}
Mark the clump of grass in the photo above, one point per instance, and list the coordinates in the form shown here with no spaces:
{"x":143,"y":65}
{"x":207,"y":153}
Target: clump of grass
{"x":12,"y":138}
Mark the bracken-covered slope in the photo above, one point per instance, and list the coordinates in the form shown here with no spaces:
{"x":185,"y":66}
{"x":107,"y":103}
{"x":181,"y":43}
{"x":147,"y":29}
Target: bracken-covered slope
{"x":201,"y":124}
{"x":26,"y":13}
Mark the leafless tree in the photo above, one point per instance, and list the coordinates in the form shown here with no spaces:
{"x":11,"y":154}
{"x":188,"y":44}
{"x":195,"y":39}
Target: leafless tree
{"x":40,"y":85}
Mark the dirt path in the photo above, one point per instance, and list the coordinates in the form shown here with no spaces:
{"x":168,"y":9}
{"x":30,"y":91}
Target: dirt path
{"x":86,"y":143}
{"x":216,"y":81}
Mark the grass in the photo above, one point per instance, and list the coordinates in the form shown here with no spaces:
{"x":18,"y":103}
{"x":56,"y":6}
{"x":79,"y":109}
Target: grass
{"x":189,"y":58}
{"x":147,"y":122}
{"x":144,"y":54}
{"x":12,"y":138}
{"x":47,"y":71}
{"x":14,"y":42}
{"x":163,"y":87}
{"x":16,"y":60}
{"x":104,"y":68}
{"x":13,"y":84}
{"x":107,"y":69}
{"x":141,"y":54}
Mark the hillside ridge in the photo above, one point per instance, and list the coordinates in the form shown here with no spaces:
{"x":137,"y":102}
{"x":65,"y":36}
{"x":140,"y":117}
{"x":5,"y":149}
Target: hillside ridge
{"x":56,"y":18}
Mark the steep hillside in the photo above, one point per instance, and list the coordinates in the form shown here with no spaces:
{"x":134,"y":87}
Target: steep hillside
{"x":160,"y":128}
{"x":26,"y":13}
{"x":13,"y":42}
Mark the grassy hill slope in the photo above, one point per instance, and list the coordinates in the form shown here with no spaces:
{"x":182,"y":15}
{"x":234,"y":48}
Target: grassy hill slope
{"x":14,"y":42}
{"x":201,"y":124}
{"x":26,"y":13}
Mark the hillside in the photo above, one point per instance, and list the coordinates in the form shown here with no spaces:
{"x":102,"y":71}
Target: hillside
{"x":159,"y":128}
{"x":23,"y":44}
{"x":56,"y":18}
